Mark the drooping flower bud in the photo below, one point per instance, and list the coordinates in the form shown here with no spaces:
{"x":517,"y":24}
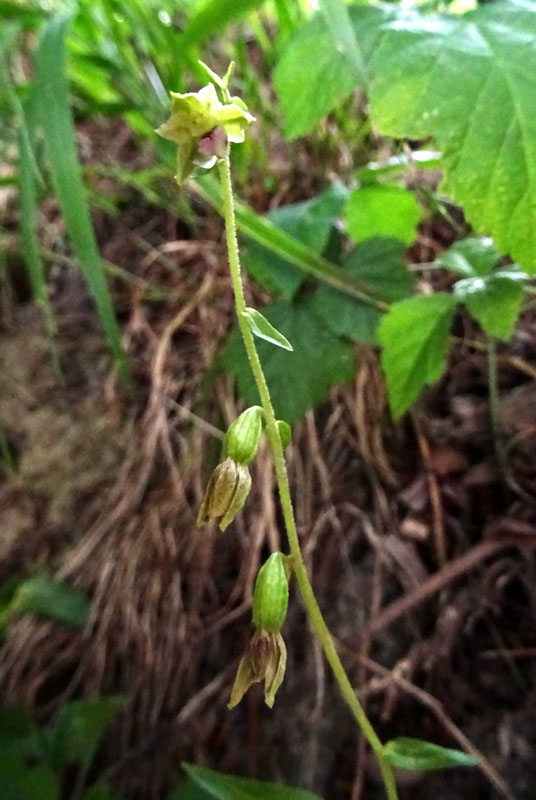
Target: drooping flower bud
{"x":242,"y":439}
{"x":266,"y":656}
{"x":285,"y":432}
{"x":226,"y":493}
{"x":270,"y":598}
{"x":264,"y":660}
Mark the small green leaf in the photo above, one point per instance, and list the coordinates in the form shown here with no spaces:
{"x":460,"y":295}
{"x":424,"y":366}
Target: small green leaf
{"x":285,"y":432}
{"x":260,"y":327}
{"x":220,"y":786}
{"x":421,"y":756}
{"x":79,"y":729}
{"x":52,"y":599}
{"x":99,"y":791}
{"x":319,"y":360}
{"x":382,"y":210}
{"x":474,"y":257}
{"x":494,"y":302}
{"x":414,"y":335}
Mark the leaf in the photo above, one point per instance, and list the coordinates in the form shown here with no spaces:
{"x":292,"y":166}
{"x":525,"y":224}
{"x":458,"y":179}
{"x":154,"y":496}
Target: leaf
{"x":79,"y":729}
{"x":414,"y":335}
{"x":99,"y":791}
{"x":52,"y":599}
{"x":469,"y":81}
{"x":472,"y":257}
{"x":311,"y":77}
{"x":310,"y":222}
{"x":382,"y":210}
{"x":263,"y":329}
{"x":379,"y":265}
{"x":421,"y":756}
{"x":52,"y":92}
{"x":229,"y":787}
{"x":374,"y":171}
{"x":39,"y":783}
{"x":212,"y":17}
{"x":494,"y":302}
{"x":319,"y":360}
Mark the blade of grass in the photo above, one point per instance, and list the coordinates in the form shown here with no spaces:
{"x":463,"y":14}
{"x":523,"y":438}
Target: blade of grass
{"x":212,"y":17}
{"x":53,"y":98}
{"x":308,"y":260}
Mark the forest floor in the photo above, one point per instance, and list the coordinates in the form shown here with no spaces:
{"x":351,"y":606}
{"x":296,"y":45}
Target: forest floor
{"x":420,"y":544}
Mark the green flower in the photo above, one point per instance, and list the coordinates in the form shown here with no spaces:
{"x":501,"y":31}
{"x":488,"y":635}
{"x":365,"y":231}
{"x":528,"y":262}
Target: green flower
{"x":202,"y":125}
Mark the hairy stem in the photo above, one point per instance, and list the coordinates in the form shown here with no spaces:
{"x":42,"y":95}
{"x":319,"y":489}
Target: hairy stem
{"x":309,"y":600}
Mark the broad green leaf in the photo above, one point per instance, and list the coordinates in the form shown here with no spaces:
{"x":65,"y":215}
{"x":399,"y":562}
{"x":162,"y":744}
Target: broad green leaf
{"x":311,"y":77}
{"x":472,"y":258}
{"x":421,"y":756}
{"x":52,"y":91}
{"x":310,"y":222}
{"x":338,"y":20}
{"x":297,"y":380}
{"x":263,"y":329}
{"x":188,"y":789}
{"x":414,"y":334}
{"x":469,"y":81}
{"x":52,"y":599}
{"x":379,"y":265}
{"x":79,"y":729}
{"x":494,"y":302}
{"x":220,"y":786}
{"x":383,"y":210}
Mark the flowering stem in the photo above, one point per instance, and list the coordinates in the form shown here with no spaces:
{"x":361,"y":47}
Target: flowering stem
{"x":309,"y":600}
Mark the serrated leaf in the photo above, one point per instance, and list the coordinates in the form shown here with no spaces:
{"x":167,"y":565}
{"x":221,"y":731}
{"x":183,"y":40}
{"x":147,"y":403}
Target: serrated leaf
{"x":414,"y":335}
{"x":52,"y":599}
{"x":297,"y":380}
{"x":79,"y":728}
{"x":421,"y":756}
{"x":382,"y":210}
{"x":469,"y":81}
{"x":471,"y":257}
{"x":494,"y":302}
{"x":379,"y":264}
{"x":263,"y":329}
{"x":220,"y":786}
{"x":310,"y":222}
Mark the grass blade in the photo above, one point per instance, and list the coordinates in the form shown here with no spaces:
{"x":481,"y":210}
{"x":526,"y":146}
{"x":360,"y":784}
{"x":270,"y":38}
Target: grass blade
{"x":53,"y":97}
{"x":307,"y":259}
{"x":213,"y":17}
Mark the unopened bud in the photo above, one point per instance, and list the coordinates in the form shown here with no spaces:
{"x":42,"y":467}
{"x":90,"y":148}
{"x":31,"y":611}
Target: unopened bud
{"x":270,"y":598}
{"x":244,"y":434}
{"x":285,"y":432}
{"x":226,"y":493}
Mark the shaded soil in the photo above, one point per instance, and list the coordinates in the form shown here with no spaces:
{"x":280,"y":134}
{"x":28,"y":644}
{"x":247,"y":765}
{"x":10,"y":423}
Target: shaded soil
{"x":421,"y":546}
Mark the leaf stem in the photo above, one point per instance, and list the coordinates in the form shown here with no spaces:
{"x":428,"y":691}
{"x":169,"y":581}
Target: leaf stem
{"x":309,"y":600}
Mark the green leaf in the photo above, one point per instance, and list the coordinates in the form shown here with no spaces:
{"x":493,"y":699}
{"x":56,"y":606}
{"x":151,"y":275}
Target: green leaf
{"x":52,"y":91}
{"x":79,"y":729}
{"x":382,"y":210}
{"x":379,"y":265}
{"x":229,"y":787}
{"x":263,"y":329}
{"x":469,"y":81}
{"x":414,"y":334}
{"x":472,"y":258}
{"x":494,"y":302}
{"x":311,"y":223}
{"x":415,"y":754}
{"x":39,"y":783}
{"x":319,"y":360}
{"x":311,"y":77}
{"x":212,"y":17}
{"x":53,"y":599}
{"x":99,"y":791}
{"x":375,"y":171}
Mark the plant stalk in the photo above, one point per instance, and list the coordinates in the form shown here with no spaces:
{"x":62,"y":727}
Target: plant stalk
{"x":309,"y":600}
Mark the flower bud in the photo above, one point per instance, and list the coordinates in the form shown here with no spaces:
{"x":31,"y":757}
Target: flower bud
{"x":226,"y":493}
{"x":285,"y":432}
{"x":270,"y":598}
{"x":244,"y":434}
{"x":264,"y":660}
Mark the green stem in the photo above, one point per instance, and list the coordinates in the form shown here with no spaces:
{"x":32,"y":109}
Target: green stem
{"x":300,"y":571}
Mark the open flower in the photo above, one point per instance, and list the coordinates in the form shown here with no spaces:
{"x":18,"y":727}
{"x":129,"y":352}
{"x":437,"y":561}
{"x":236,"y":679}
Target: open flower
{"x":201,"y":124}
